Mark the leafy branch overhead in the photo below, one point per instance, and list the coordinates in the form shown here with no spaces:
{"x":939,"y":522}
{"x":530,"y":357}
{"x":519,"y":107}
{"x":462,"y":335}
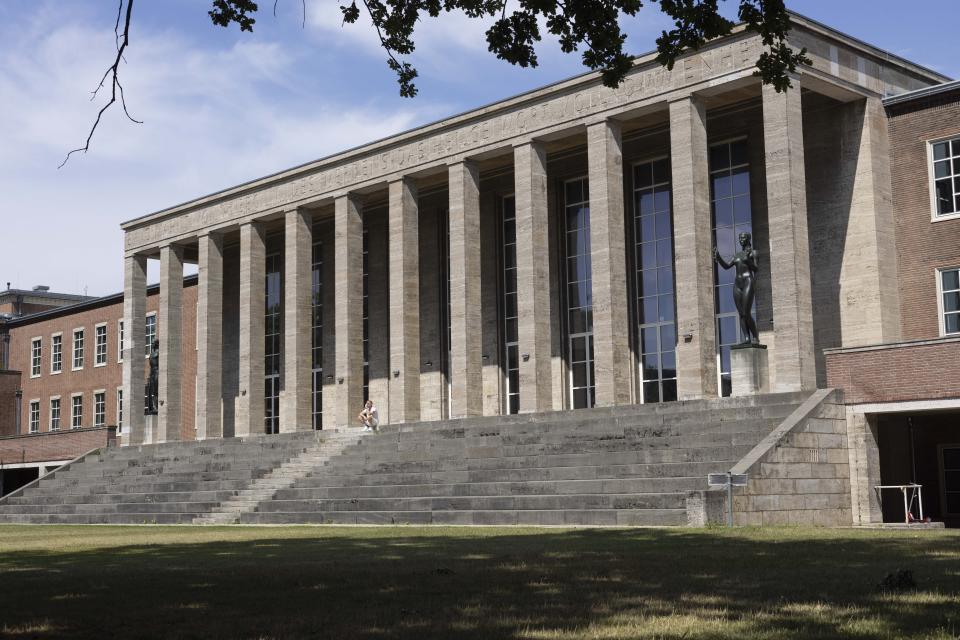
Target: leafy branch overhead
{"x":591,"y":27}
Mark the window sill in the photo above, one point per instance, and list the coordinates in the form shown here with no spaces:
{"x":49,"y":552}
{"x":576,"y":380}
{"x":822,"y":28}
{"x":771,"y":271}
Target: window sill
{"x":947,"y":216}
{"x":100,"y":364}
{"x":76,"y":368}
{"x":56,"y":373}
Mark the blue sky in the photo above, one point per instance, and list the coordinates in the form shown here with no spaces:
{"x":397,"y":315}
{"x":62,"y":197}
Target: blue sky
{"x":221,"y":107}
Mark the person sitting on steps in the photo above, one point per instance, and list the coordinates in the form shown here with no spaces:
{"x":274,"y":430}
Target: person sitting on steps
{"x":369,"y":417}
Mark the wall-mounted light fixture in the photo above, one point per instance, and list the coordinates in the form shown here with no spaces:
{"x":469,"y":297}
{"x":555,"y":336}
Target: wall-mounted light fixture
{"x":428,"y":363}
{"x":525,"y":356}
{"x":340,"y":380}
{"x":687,"y":337}
{"x":396,"y":373}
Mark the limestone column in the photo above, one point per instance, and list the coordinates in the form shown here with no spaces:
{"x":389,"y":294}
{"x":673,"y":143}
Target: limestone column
{"x":794,"y":365}
{"x":348,"y":310}
{"x":693,"y":245}
{"x":253,"y":264}
{"x":612,"y":361}
{"x":210,"y":337}
{"x":295,"y":396}
{"x":466,"y":328}
{"x":170,"y":335}
{"x":134,"y":328}
{"x":533,"y":276}
{"x":404,"y":250}
{"x":870,"y":310}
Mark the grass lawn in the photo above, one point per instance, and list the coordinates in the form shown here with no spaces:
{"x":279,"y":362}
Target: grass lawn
{"x":473,"y":583}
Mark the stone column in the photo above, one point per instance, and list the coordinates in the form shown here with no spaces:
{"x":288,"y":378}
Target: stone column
{"x":864,"y":460}
{"x":295,"y":396}
{"x":404,"y":250}
{"x":253,"y":264}
{"x":794,"y":364}
{"x":533,"y":276}
{"x":170,"y":333}
{"x":466,"y":340}
{"x":210,"y":337}
{"x":348,"y":311}
{"x":612,"y":362}
{"x":134,"y":328}
{"x":693,"y":246}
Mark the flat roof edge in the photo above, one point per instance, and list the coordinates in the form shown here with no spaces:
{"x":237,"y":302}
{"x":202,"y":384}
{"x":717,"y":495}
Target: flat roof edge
{"x":919,"y":94}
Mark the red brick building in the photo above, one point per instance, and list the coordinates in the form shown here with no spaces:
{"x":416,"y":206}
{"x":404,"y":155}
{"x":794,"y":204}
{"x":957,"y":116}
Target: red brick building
{"x":61,"y":382}
{"x":903,"y":397}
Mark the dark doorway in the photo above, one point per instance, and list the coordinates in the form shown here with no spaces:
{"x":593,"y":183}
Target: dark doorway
{"x":923,"y":448}
{"x":13,"y":479}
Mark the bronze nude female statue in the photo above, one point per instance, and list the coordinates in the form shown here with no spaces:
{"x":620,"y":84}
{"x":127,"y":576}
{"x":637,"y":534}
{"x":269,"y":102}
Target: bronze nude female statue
{"x":745,"y":262}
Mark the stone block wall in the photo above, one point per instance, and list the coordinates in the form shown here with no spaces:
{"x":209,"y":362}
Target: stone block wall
{"x":799,"y":474}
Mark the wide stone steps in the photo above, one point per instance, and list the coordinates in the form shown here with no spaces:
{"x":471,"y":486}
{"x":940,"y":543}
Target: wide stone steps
{"x":499,"y":517}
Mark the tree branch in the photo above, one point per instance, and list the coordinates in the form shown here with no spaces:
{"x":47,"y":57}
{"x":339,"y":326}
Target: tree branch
{"x":113,"y":70}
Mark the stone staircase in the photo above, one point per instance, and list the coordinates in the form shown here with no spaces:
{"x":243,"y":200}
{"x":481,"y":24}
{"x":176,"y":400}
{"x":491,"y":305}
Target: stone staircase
{"x":284,"y":476}
{"x":630,"y":465}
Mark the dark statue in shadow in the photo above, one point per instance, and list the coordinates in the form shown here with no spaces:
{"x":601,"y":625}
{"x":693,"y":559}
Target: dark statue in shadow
{"x":744,"y":286}
{"x":153,"y":383}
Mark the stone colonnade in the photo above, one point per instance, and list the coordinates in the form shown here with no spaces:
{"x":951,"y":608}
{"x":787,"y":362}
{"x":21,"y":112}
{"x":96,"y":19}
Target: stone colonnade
{"x":794,"y":366}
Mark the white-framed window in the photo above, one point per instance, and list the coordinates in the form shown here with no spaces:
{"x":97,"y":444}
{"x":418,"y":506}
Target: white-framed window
{"x":36,"y":350}
{"x":56,"y":353}
{"x":78,"y":349}
{"x":100,"y":345}
{"x":120,"y":340}
{"x":55,"y":413}
{"x":76,"y":411}
{"x":945,"y":172}
{"x":150,"y":332}
{"x":119,"y":409}
{"x":948,"y":294}
{"x":99,"y":408}
{"x":34,"y":416}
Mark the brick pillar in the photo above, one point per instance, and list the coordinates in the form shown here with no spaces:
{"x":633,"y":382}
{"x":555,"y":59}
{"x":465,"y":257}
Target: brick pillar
{"x":693,"y":246}
{"x":210,"y":337}
{"x":348,"y":311}
{"x":533,"y":276}
{"x":794,"y":365}
{"x":170,"y":334}
{"x":296,"y":393}
{"x":466,"y":329}
{"x":611,"y":347}
{"x":253,"y":264}
{"x":134,"y":327}
{"x":404,"y":250}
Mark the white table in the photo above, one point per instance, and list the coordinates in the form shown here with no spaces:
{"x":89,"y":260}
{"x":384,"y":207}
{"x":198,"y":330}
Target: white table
{"x":916,"y":495}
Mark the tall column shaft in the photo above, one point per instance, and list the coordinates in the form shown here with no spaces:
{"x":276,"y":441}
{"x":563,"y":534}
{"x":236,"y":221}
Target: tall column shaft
{"x":692,"y":240}
{"x":794,"y":365}
{"x":210,"y":337}
{"x":348,"y":312}
{"x":134,"y":328}
{"x":466,"y":341}
{"x":612,"y":365}
{"x":295,"y":396}
{"x":253,"y":264}
{"x":404,"y":249}
{"x":170,"y":334}
{"x":533,"y":276}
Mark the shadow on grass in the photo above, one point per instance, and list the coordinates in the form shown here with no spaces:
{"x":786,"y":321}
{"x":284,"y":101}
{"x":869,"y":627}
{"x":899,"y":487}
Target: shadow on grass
{"x":472,"y":584}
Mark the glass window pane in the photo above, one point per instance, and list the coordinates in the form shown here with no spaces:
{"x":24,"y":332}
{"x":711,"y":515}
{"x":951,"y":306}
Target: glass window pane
{"x":956,"y":166}
{"x":956,"y":147}
{"x":574,"y":191}
{"x":515,"y":403}
{"x":648,"y":340}
{"x":668,"y":337}
{"x":664,"y":230}
{"x":665,"y":279}
{"x":648,"y":255}
{"x":724,"y":301}
{"x":661,"y":171}
{"x":668,"y":364}
{"x":579,"y":372}
{"x":742,"y":210}
{"x":661,"y":199}
{"x":951,"y":279}
{"x":728,"y":330}
{"x":651,"y":392}
{"x":723,"y":213}
{"x":664,"y":253}
{"x":722,"y":186}
{"x":944,"y":196}
{"x":580,"y":398}
{"x":649,"y":309}
{"x":641,"y":176}
{"x":669,"y":390}
{"x":951,"y":301}
{"x":738,"y":153}
{"x":666,"y":307}
{"x":951,"y":322}
{"x":941,"y":169}
{"x":510,"y":327}
{"x":650,"y":281}
{"x":941,"y":150}
{"x":647,"y":228}
{"x":719,"y":157}
{"x":651,"y":366}
{"x":741,"y":183}
{"x":578,"y":349}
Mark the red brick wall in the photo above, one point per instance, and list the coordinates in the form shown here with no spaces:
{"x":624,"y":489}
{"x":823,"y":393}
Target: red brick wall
{"x":922,"y":245}
{"x":60,"y":445}
{"x":91,"y":378}
{"x":897,"y":373}
{"x":9,"y":383}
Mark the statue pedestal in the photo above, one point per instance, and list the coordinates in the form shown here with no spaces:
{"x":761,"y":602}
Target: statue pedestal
{"x":748,"y":369}
{"x":149,"y":428}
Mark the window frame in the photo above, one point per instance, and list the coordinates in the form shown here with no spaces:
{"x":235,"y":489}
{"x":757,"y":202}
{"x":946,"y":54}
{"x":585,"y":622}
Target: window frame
{"x":74,"y":418}
{"x":119,"y":408}
{"x":33,"y":427}
{"x":36,"y":353}
{"x":50,"y":425}
{"x":120,"y":341}
{"x":100,"y":417}
{"x":57,"y":334}
{"x":96,"y":344}
{"x":932,"y":179}
{"x":941,"y":313}
{"x":73,"y":348}
{"x":156,"y":332}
